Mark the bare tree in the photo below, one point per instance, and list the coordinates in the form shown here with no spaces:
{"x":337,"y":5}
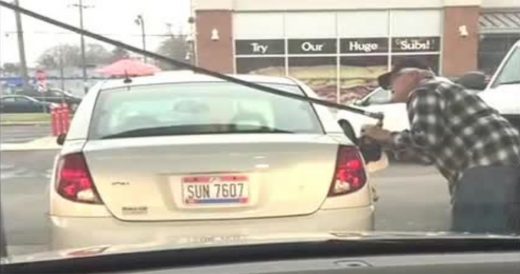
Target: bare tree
{"x":174,"y":47}
{"x":11,"y":68}
{"x":118,"y":54}
{"x":65,"y":55}
{"x":96,"y":54}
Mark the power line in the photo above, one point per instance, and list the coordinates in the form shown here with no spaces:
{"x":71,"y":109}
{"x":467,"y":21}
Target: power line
{"x":68,"y":33}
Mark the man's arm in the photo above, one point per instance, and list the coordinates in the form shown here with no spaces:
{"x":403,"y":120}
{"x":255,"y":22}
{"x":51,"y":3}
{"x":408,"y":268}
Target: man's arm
{"x":426,"y":125}
{"x":413,"y":154}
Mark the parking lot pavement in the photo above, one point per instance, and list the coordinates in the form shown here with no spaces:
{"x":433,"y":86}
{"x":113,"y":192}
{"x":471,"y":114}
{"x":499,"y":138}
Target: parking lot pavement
{"x":412,"y":198}
{"x":23,"y":133}
{"x":24,"y":203}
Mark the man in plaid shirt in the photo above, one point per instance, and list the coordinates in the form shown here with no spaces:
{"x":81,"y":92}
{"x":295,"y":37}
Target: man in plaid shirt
{"x":475,"y":148}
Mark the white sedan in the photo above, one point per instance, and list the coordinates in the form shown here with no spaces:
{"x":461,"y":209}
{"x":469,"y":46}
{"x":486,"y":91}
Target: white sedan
{"x":185,"y":157}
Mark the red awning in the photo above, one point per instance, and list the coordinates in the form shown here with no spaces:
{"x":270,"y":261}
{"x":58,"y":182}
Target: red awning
{"x":128,"y":67}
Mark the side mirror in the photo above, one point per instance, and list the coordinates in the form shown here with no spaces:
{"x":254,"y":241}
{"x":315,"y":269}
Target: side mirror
{"x":60,"y":140}
{"x":475,"y":80}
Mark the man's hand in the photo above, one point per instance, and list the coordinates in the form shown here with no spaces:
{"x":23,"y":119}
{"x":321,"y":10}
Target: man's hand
{"x":377,"y":134}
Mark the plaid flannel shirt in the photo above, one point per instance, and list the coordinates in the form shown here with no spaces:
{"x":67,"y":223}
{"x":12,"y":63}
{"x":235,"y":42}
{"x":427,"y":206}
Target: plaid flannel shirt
{"x":457,"y":130}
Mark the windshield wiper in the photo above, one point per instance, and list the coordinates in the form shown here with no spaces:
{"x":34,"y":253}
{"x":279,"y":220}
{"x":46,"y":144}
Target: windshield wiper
{"x":188,"y":130}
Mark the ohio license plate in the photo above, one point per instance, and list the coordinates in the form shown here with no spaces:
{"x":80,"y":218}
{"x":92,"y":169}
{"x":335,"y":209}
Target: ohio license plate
{"x":212,"y":190}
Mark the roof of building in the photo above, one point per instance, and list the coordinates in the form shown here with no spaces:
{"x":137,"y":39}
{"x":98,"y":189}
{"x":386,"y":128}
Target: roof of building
{"x":500,"y":22}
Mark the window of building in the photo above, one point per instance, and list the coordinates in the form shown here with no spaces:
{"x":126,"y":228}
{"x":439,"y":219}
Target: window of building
{"x":338,"y":54}
{"x":493,"y":48}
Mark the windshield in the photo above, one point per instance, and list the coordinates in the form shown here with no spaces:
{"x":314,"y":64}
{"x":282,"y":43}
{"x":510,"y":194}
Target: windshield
{"x":377,"y":97}
{"x":510,"y":72}
{"x":175,"y":124}
{"x":198,"y":108}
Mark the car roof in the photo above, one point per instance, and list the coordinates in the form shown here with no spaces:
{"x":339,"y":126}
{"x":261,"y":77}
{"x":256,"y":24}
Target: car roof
{"x":188,"y":76}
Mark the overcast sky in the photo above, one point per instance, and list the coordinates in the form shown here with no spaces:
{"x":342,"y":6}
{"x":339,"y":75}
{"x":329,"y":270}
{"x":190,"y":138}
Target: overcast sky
{"x":114,"y":18}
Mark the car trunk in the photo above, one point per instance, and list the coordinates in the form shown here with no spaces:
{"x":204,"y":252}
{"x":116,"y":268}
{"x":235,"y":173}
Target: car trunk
{"x":212,"y":176}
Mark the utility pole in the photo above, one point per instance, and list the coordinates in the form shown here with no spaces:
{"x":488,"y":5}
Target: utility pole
{"x":1,"y":67}
{"x":140,"y":22}
{"x":62,"y":74}
{"x":80,"y":7}
{"x":1,"y":34}
{"x":21,"y":48}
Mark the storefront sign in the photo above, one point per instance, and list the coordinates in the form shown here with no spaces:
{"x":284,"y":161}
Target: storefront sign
{"x":312,"y":46}
{"x":364,"y":45}
{"x":415,"y":44}
{"x":259,"y":47}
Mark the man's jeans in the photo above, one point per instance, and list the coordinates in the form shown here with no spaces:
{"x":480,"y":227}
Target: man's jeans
{"x":487,"y":200}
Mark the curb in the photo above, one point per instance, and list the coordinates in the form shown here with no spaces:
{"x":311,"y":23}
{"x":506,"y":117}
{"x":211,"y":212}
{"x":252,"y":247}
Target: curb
{"x":4,"y":148}
{"x":45,"y":143}
{"x":24,"y":124}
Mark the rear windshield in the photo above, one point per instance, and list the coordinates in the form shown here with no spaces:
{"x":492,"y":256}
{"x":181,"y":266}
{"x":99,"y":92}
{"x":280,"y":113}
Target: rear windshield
{"x":199,"y":108}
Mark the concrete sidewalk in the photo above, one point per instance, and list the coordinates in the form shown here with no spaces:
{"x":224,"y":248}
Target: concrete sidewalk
{"x":23,"y":123}
{"x":9,"y":119}
{"x":45,"y":143}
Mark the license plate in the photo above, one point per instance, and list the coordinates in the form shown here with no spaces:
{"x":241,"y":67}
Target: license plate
{"x":209,"y":239}
{"x":212,"y":190}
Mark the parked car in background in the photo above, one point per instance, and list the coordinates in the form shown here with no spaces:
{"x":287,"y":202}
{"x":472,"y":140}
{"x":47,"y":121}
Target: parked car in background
{"x":56,"y":96}
{"x":379,"y":100}
{"x":215,"y":158}
{"x":503,"y":91}
{"x":24,"y":104}
{"x":396,"y":118}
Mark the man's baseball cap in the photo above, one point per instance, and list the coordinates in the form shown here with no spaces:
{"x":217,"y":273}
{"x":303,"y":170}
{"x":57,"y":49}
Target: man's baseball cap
{"x":409,"y":62}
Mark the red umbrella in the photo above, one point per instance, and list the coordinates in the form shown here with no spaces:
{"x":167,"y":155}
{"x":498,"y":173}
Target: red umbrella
{"x":128,"y":67}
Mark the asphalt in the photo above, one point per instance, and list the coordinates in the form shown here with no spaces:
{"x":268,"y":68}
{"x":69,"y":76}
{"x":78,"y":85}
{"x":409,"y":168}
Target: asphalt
{"x":412,"y":198}
{"x":23,"y":133}
{"x":24,"y":201}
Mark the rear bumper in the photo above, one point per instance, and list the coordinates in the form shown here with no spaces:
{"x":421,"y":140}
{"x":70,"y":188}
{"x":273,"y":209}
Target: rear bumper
{"x":73,"y":232}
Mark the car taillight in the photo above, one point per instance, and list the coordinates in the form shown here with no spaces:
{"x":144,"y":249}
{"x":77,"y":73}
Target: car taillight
{"x":74,"y":181}
{"x":350,"y":172}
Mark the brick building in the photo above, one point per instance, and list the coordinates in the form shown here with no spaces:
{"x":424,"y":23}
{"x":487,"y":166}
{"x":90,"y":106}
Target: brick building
{"x":339,"y":46}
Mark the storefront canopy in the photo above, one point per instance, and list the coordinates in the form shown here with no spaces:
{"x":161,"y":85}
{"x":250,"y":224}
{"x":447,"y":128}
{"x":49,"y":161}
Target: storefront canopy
{"x":500,"y":22}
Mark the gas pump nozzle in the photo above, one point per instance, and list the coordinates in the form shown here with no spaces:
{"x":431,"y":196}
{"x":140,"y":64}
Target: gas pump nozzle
{"x":370,"y":150}
{"x":376,"y":115}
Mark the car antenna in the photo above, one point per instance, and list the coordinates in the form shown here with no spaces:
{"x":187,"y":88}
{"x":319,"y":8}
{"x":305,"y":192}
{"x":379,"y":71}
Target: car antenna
{"x":267,"y":89}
